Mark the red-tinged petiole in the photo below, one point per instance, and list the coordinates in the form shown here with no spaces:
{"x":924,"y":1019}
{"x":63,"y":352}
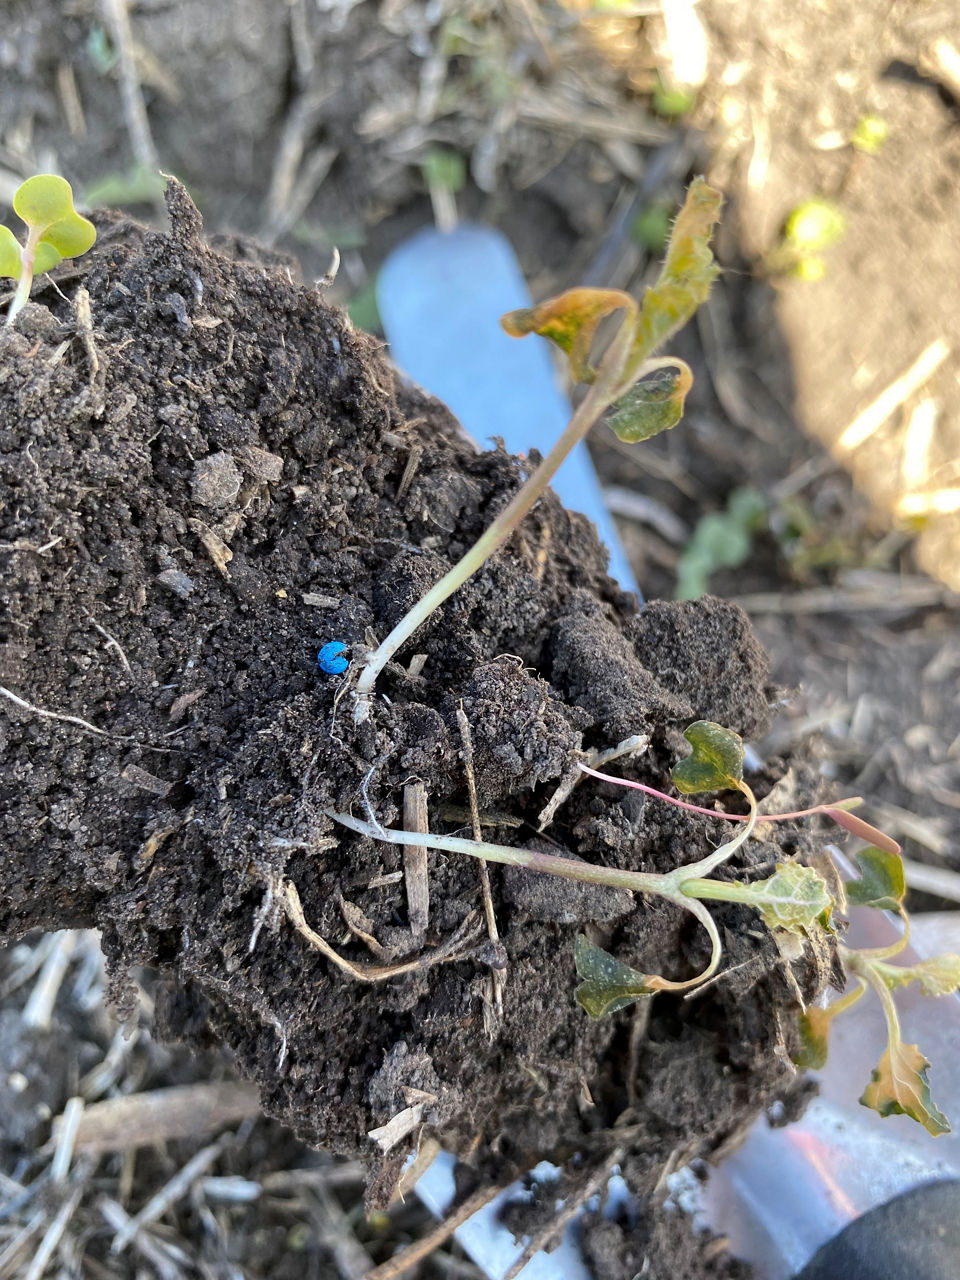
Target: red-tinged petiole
{"x":838,"y":811}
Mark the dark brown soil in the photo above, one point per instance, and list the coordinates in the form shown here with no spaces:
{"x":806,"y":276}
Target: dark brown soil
{"x":196,"y":494}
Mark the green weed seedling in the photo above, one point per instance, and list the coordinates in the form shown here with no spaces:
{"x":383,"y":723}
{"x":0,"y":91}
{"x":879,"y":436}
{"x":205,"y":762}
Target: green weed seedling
{"x":796,"y":900}
{"x":54,"y":231}
{"x":811,"y":228}
{"x":721,"y":540}
{"x":639,"y":394}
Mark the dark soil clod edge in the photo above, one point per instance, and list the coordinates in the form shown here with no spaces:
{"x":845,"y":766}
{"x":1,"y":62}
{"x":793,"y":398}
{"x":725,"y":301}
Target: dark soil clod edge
{"x":190,"y":509}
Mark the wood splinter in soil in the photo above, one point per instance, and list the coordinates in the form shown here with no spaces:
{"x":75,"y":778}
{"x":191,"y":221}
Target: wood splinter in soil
{"x":205,"y":364}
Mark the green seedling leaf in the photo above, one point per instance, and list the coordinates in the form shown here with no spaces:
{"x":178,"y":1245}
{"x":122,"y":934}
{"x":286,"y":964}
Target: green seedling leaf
{"x":688,"y":272}
{"x":869,"y":134}
{"x":10,"y":264}
{"x":570,"y":320}
{"x":899,"y":1086}
{"x":795,"y":898}
{"x":858,"y":827}
{"x":138,"y":185}
{"x":608,"y":984}
{"x":45,"y":203}
{"x":670,"y":101}
{"x":814,"y":1024}
{"x":814,"y":225}
{"x":716,"y":763}
{"x":811,"y":269}
{"x":444,"y":168}
{"x":652,"y":405}
{"x":721,"y":540}
{"x":881,"y":884}
{"x":43,"y":200}
{"x":651,"y":228}
{"x":939,"y":976}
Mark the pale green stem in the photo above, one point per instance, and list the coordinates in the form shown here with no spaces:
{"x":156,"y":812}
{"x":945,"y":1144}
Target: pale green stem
{"x":719,"y":891}
{"x":710,"y":863}
{"x":860,"y":964}
{"x":716,"y":947}
{"x":671,"y":885}
{"x":568,"y":868}
{"x":592,"y":406}
{"x":25,"y":283}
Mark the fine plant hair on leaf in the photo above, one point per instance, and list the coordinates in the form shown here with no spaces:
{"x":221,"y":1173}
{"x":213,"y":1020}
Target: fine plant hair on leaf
{"x":571,"y":321}
{"x":55,"y":231}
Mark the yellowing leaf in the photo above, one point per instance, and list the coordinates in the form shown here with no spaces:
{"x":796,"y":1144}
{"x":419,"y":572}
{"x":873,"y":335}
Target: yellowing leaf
{"x":688,"y":272}
{"x":814,"y":1033}
{"x":939,"y":976}
{"x":899,"y":1087}
{"x":881,"y":884}
{"x":570,"y":320}
{"x":608,"y":984}
{"x":652,"y":405}
{"x":10,"y":264}
{"x":795,"y":898}
{"x":814,"y":1024}
{"x":716,"y":763}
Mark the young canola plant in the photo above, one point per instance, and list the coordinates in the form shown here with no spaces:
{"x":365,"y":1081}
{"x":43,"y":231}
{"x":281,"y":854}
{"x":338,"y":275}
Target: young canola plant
{"x":642,"y":395}
{"x":55,"y":231}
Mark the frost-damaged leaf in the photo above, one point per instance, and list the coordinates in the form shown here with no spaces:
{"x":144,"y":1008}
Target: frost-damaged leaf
{"x":716,"y":763}
{"x":795,"y":898}
{"x":900,"y":1087}
{"x":881,"y":884}
{"x":814,"y":1024}
{"x":608,"y":984}
{"x":939,"y":976}
{"x":688,"y":272}
{"x":652,"y":405}
{"x":570,"y":320}
{"x":858,"y":827}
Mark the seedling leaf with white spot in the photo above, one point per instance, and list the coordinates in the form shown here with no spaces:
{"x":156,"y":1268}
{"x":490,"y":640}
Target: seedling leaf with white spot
{"x":608,"y":984}
{"x":716,"y":763}
{"x":795,"y":898}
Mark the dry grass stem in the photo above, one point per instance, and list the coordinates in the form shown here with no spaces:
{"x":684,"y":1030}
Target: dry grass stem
{"x":416,"y":878}
{"x":415,"y":1253}
{"x":872,"y":418}
{"x":161,"y":1115}
{"x":498,"y":976}
{"x":455,"y":948}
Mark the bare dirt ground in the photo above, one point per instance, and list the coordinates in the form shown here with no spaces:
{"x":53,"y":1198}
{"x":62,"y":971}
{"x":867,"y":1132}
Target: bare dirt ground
{"x":308,"y":126}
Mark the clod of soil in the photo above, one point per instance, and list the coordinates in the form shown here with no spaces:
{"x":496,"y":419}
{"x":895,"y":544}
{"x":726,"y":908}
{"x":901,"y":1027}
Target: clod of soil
{"x":196,"y":494}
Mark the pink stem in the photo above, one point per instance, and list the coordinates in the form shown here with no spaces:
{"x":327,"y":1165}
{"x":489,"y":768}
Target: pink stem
{"x":712,"y":813}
